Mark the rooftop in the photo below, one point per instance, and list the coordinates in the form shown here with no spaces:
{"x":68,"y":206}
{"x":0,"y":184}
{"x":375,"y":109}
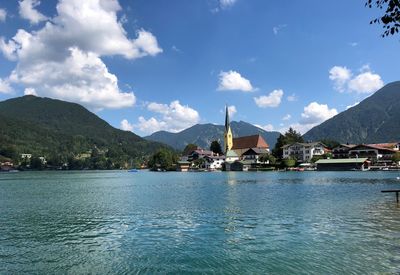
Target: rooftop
{"x":255,"y":141}
{"x":337,"y":161}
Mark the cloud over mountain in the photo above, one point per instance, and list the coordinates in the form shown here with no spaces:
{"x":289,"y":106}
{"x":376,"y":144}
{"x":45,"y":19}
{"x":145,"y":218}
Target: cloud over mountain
{"x":63,"y":58}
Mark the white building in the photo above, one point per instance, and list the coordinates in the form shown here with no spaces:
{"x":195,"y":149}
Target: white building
{"x":303,"y":152}
{"x":215,"y":162}
{"x":26,"y":156}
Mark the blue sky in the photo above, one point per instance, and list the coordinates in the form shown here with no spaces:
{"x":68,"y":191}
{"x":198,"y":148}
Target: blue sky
{"x":153,"y":65}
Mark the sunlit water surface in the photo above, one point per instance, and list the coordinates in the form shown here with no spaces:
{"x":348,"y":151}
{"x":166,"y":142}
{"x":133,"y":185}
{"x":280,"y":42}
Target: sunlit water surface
{"x":119,"y":222}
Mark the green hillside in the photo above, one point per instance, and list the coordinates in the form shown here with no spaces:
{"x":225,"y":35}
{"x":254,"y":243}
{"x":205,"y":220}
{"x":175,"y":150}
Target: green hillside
{"x":57,"y":129}
{"x":203,"y":134}
{"x":376,"y":119}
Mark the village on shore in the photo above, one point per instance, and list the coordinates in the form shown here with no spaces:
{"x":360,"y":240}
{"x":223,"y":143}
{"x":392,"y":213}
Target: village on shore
{"x":248,"y":153}
{"x":252,"y":153}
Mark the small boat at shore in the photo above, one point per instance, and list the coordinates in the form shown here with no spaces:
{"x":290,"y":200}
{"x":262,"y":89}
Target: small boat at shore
{"x":133,"y":171}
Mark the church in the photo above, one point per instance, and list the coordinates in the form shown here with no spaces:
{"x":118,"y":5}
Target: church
{"x":242,"y":153}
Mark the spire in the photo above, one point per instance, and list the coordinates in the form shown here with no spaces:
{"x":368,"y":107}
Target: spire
{"x":227,"y":123}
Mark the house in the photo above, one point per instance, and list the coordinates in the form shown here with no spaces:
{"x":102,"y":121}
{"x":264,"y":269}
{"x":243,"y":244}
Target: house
{"x":199,"y":153}
{"x":26,"y":156}
{"x":342,"y":151}
{"x":243,"y":144}
{"x":230,"y":158}
{"x":6,"y":166}
{"x":374,"y":152}
{"x":214,"y":162}
{"x":252,"y":155}
{"x":304,"y":152}
{"x":183,"y":166}
{"x":348,"y":164}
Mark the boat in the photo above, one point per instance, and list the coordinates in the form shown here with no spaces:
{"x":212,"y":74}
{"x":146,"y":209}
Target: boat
{"x":133,"y":170}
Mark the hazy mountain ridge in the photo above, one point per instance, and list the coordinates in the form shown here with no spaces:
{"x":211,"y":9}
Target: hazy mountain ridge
{"x":204,"y":134}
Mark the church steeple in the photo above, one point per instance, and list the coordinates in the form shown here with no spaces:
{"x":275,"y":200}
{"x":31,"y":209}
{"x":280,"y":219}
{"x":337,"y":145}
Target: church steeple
{"x":227,"y":122}
{"x":228,"y":138}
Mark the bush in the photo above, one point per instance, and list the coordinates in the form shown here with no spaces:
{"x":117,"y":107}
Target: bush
{"x":289,"y":162}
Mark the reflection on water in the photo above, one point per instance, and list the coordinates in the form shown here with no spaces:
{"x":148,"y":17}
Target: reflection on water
{"x":115,"y":222}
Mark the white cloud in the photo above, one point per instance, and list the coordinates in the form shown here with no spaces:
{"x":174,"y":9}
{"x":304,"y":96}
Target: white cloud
{"x":226,"y":3}
{"x":268,"y":127}
{"x":292,"y":97}
{"x":232,"y":110}
{"x":126,"y":126}
{"x":30,"y":91}
{"x":353,"y":44}
{"x":340,"y":77}
{"x":173,"y":118}
{"x":63,"y":58}
{"x":271,"y":100}
{"x":365,"y":82}
{"x":313,"y":115}
{"x":232,"y":80}
{"x":151,"y":125}
{"x":5,"y":86}
{"x":353,"y":105}
{"x":287,"y":117}
{"x":176,"y":49}
{"x":316,"y":113}
{"x":27,"y":11}
{"x":3,"y":15}
{"x":278,"y":28}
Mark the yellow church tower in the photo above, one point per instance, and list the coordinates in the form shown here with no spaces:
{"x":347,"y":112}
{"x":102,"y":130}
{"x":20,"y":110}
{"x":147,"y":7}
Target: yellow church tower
{"x":228,"y":138}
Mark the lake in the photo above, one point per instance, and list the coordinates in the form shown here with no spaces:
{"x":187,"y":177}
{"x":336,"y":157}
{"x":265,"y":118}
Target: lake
{"x":234,"y":223}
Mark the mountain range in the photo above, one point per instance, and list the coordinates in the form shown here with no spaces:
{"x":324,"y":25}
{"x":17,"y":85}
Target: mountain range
{"x":43,"y":126}
{"x":376,"y":119}
{"x":203,"y":134}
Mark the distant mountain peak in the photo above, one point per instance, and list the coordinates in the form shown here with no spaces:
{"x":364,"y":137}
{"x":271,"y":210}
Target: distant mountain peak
{"x":204,"y":134}
{"x":376,"y":119}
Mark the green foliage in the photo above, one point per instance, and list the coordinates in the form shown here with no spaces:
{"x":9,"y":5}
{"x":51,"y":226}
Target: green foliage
{"x":61,"y":132}
{"x":216,"y":147}
{"x":189,"y":148}
{"x":267,"y":158}
{"x":291,"y":136}
{"x":164,"y":160}
{"x":390,"y":19}
{"x":396,"y":157}
{"x":199,"y":163}
{"x":289,"y":162}
{"x":9,"y":151}
{"x":36,"y":163}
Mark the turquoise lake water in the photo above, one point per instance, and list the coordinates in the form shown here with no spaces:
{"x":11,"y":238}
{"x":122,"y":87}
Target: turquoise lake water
{"x":234,"y":223}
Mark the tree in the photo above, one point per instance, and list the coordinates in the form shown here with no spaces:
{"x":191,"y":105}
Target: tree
{"x":216,"y":147}
{"x":199,"y":163}
{"x":291,"y":136}
{"x":396,"y":157}
{"x":37,"y":163}
{"x":267,"y":158}
{"x":289,"y":162}
{"x":391,"y":17}
{"x":164,"y":159}
{"x":189,"y":148}
{"x":9,"y":151}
